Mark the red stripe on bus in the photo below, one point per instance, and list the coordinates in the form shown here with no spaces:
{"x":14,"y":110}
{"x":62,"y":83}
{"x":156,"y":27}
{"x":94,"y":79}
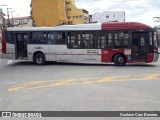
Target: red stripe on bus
{"x":107,"y":54}
{"x":72,"y":54}
{"x":3,"y":41}
{"x":150,"y":57}
{"x":124,"y":26}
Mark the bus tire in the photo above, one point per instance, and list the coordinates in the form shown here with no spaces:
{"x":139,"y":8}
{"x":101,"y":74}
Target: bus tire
{"x":119,"y":60}
{"x":39,"y":59}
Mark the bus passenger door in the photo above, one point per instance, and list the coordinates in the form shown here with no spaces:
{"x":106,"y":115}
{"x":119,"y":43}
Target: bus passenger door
{"x":139,"y":47}
{"x":21,"y":46}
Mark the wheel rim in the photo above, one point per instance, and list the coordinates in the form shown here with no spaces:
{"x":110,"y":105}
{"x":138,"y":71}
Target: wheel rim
{"x":121,"y":60}
{"x":39,"y":59}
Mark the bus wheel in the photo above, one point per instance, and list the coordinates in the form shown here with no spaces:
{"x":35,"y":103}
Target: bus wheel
{"x":39,"y":59}
{"x":119,"y":60}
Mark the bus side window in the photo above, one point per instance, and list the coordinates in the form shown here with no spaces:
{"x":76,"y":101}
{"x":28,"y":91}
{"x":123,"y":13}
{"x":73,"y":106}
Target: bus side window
{"x":56,"y":37}
{"x":38,"y":37}
{"x":9,"y":37}
{"x":104,"y":39}
{"x":74,"y":39}
{"x":25,"y":37}
{"x":150,"y":42}
{"x":88,"y":40}
{"x":51,"y":37}
{"x":60,"y":38}
{"x":121,"y":39}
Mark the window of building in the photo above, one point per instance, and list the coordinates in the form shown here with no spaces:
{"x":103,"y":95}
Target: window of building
{"x":70,"y":22}
{"x":56,"y":37}
{"x":68,"y":10}
{"x":121,"y":39}
{"x":68,"y":2}
{"x":107,"y":16}
{"x":74,"y":39}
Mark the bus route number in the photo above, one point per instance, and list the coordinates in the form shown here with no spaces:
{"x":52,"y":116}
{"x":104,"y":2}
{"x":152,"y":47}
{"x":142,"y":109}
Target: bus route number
{"x":37,"y":47}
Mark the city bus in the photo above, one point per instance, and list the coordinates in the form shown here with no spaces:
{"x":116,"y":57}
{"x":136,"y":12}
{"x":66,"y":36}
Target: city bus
{"x":117,"y":42}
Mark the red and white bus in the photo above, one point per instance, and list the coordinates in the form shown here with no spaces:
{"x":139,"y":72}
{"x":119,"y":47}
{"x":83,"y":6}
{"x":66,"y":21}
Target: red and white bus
{"x":118,"y":42}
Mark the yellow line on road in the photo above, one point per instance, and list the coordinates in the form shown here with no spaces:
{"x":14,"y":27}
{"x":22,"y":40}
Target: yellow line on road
{"x":50,"y":85}
{"x":27,"y":84}
{"x":65,"y":82}
{"x":53,"y":83}
{"x":150,"y":77}
{"x":107,"y":79}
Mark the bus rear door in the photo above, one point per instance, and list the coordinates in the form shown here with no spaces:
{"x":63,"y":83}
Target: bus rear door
{"x":139,"y":46}
{"x":21,"y":46}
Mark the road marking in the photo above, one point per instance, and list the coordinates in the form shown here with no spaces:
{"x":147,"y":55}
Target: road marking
{"x":107,"y":79}
{"x":61,"y":83}
{"x":9,"y":83}
{"x":9,"y":62}
{"x":150,"y":77}
{"x":55,"y":83}
{"x":65,"y":82}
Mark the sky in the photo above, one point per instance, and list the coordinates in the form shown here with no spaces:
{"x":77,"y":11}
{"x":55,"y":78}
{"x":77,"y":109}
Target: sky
{"x":135,"y":10}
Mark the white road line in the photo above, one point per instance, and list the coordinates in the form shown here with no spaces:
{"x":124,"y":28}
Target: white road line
{"x":9,"y":62}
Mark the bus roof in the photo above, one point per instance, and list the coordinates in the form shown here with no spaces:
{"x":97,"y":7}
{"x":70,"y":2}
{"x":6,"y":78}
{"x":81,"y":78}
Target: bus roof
{"x":124,"y":26}
{"x":96,"y":26}
{"x":93,"y":26}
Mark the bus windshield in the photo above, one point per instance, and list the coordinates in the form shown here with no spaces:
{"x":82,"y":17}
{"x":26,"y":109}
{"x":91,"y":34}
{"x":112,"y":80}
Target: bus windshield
{"x":155,"y":39}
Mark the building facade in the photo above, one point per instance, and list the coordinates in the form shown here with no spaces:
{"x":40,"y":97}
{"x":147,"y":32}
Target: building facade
{"x":57,"y":12}
{"x":108,"y":16}
{"x":75,"y":15}
{"x":21,"y":21}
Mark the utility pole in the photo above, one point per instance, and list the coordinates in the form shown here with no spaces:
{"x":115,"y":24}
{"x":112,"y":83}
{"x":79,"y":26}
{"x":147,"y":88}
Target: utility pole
{"x":12,"y":18}
{"x":8,"y":21}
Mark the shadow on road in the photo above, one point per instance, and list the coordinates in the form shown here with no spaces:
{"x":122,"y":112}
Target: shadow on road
{"x":28,"y":63}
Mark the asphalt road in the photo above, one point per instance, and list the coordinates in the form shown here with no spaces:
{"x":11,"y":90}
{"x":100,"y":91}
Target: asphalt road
{"x":79,"y":87}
